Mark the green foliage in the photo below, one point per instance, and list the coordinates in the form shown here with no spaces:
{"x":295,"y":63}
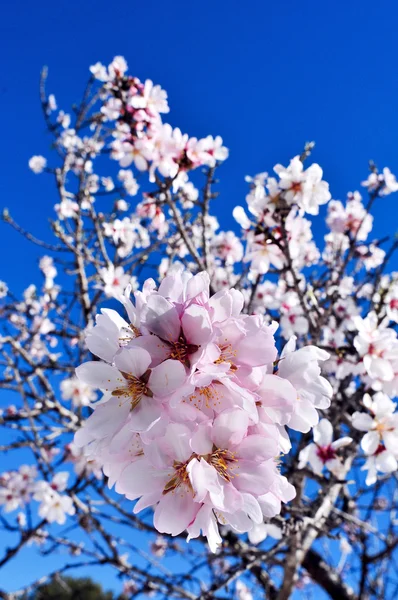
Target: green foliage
{"x":69,"y":588}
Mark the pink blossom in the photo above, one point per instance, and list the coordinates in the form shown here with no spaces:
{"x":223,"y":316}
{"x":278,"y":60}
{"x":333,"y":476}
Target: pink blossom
{"x":301,"y":368}
{"x":324,"y":451}
{"x":304,"y":188}
{"x":188,"y":383}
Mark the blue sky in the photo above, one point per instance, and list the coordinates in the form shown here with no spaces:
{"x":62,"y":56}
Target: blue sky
{"x":266,"y":76}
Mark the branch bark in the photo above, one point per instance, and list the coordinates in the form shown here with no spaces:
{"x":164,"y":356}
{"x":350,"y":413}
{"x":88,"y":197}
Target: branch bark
{"x":326,"y":577}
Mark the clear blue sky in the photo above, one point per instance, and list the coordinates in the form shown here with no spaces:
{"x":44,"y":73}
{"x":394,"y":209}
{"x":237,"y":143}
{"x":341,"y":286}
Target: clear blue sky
{"x":267,"y":76}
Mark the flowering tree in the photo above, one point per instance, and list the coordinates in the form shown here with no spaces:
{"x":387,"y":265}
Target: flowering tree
{"x":166,"y":378}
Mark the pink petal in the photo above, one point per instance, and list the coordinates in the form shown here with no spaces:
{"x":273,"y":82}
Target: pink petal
{"x":278,"y":398}
{"x":258,"y":533}
{"x":257,"y":448}
{"x":158,"y":350}
{"x":252,"y":508}
{"x":138,"y":479}
{"x":386,"y":462}
{"x":121,"y":440}
{"x":204,"y":479}
{"x":239,"y":521}
{"x":255,"y":478}
{"x":197,"y":285}
{"x":145,"y":501}
{"x":167,"y":377}
{"x":258,"y":346}
{"x":238,"y":396}
{"x":205,"y":521}
{"x":172,"y":288}
{"x":176,"y":511}
{"x":197,"y":325}
{"x":316,"y":463}
{"x":133,"y":360}
{"x":304,"y":417}
{"x":175,"y":443}
{"x":390,"y":439}
{"x":161,"y":318}
{"x":145,"y":414}
{"x":106,"y":419}
{"x":100,"y":375}
{"x":156,"y":429}
{"x":201,"y":441}
{"x":340,"y":443}
{"x":270,"y":505}
{"x":229,"y":428}
{"x":378,"y":368}
{"x":225,"y":304}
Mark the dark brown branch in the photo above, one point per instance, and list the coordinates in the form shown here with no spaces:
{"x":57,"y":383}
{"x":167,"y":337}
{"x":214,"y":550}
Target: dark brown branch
{"x":326,"y":577}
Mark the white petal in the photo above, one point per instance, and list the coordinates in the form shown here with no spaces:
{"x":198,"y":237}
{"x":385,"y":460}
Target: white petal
{"x":362,"y":421}
{"x":167,"y":377}
{"x":100,"y":375}
{"x":133,"y":360}
{"x":323,"y":433}
{"x":340,"y":443}
{"x":161,"y":318}
{"x":138,"y":479}
{"x":386,"y":462}
{"x":230,"y":428}
{"x":370,"y":442}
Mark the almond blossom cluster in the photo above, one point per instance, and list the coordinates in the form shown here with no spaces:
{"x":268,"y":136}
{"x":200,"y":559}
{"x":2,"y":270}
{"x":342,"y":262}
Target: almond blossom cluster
{"x":380,"y":441}
{"x":296,"y":192}
{"x":141,"y":138}
{"x":195,"y":404}
{"x":324,"y":452}
{"x":18,"y":488}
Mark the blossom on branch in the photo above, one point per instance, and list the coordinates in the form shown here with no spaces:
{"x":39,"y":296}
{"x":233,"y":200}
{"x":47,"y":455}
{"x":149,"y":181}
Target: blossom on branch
{"x":195,"y":381}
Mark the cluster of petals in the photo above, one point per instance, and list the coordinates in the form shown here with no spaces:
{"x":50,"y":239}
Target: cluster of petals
{"x":377,"y":345}
{"x":303,"y":191}
{"x":195,"y":406}
{"x":17,"y":488}
{"x":141,"y":138}
{"x":78,"y":392}
{"x":350,"y":219}
{"x":303,"y":187}
{"x":54,"y":506}
{"x":82,"y":466}
{"x":384,"y":183}
{"x":323,"y":452}
{"x":390,"y":292}
{"x":380,"y":442}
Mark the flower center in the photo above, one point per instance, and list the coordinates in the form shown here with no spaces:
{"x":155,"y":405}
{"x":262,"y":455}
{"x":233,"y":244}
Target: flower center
{"x":135,"y":388}
{"x":222,"y":461}
{"x":380,"y":448}
{"x":326,"y":453}
{"x":228,"y":355}
{"x":394,"y":304}
{"x":295,"y":187}
{"x":207,"y":395}
{"x":181,"y":349}
{"x":179,"y":478}
{"x":374,"y":351}
{"x":382,"y":427}
{"x":127,"y":334}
